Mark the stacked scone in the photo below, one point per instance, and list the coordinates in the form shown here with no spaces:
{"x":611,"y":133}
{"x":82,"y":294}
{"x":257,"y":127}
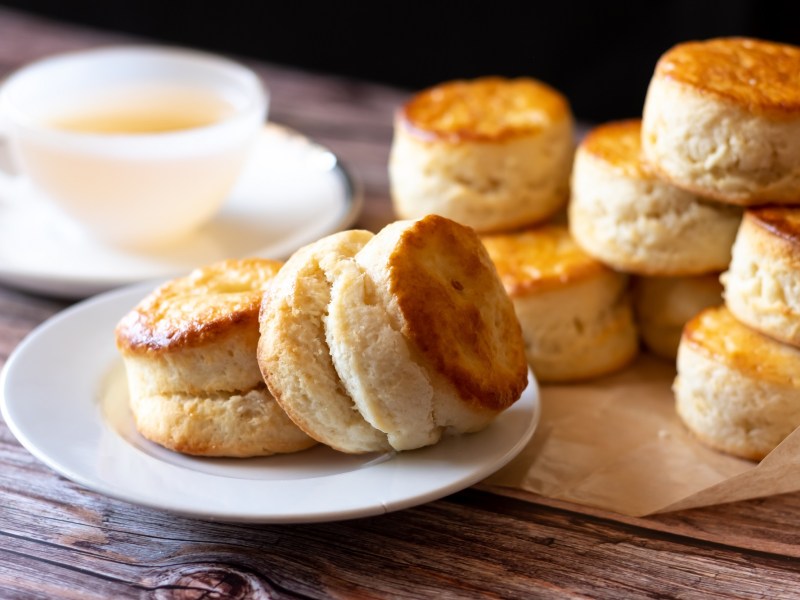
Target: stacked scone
{"x":738,"y":384}
{"x":574,"y":310}
{"x":491,"y":153}
{"x":496,"y":154}
{"x":362,"y":342}
{"x":190,"y":354}
{"x":722,"y":120}
{"x":674,"y":242}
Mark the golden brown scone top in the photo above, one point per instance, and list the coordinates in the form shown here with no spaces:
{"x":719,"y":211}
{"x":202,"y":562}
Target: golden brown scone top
{"x":619,"y":145}
{"x":456,"y":312}
{"x":781,"y":221}
{"x":195,"y":309}
{"x":720,"y":337}
{"x":760,"y":76}
{"x":539,"y":259}
{"x":490,"y":109}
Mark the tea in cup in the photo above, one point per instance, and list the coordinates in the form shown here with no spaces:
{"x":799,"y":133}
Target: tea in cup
{"x":138,"y":144}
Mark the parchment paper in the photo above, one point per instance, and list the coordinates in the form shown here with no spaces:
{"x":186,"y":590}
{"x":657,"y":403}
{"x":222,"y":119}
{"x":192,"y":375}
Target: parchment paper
{"x":616,"y":443}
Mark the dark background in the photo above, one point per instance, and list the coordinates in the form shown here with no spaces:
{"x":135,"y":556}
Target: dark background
{"x":600,"y":54}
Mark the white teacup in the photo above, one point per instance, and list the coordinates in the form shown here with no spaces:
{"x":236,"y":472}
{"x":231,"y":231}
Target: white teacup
{"x":138,"y":144}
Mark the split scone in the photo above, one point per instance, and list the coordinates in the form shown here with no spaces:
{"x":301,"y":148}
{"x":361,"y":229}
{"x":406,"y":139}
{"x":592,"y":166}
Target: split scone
{"x":491,"y":153}
{"x":737,"y":390}
{"x":722,"y":119}
{"x":762,"y":285}
{"x":574,"y":311}
{"x":625,"y":216}
{"x":293,"y":352}
{"x":421,"y":336}
{"x":189,"y":350}
{"x":663,"y":305}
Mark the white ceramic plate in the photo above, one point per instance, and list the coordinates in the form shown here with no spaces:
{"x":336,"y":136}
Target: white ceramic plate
{"x":64,"y":398}
{"x":291,"y":192}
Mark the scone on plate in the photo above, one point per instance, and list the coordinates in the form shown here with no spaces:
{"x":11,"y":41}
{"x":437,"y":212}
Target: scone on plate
{"x":189,"y":350}
{"x":491,"y":153}
{"x":762,"y":286}
{"x":663,"y":305}
{"x":737,"y":390}
{"x":421,"y":336}
{"x":293,"y":352}
{"x":574,"y":311}
{"x":722,"y":119}
{"x":623,"y":214}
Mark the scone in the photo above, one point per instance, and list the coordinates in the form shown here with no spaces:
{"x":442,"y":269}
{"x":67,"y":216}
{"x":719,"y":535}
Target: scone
{"x":737,"y":390}
{"x":422,"y":333}
{"x":762,"y":286}
{"x":574,"y":311}
{"x":189,"y":350}
{"x":663,"y":305}
{"x":491,"y":153}
{"x":722,"y":119}
{"x":624,"y":215}
{"x":413,"y":338}
{"x":293,"y":352}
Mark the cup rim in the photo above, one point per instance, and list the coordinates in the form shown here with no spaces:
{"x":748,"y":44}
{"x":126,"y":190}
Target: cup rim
{"x":257,"y":97}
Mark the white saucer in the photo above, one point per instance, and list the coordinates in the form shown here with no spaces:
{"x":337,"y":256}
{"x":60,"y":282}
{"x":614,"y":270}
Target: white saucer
{"x":292,"y":192}
{"x":63,"y":395}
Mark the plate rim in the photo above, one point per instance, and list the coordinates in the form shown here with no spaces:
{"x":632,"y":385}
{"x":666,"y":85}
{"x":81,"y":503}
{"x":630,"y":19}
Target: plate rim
{"x":126,"y":297}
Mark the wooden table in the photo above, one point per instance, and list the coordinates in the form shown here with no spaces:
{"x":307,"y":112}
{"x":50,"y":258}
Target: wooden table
{"x":59,"y":540}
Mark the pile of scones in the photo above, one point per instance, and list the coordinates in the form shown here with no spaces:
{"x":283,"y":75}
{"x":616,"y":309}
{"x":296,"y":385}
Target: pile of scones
{"x":363,"y":342}
{"x":678,"y":231}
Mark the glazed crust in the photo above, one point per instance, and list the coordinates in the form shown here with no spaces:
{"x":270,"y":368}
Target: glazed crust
{"x":618,"y":145}
{"x":488,"y":109}
{"x":539,"y":259}
{"x":456,"y":312}
{"x":757,"y":75}
{"x":722,"y":338}
{"x":783,"y":222}
{"x":197,"y":309}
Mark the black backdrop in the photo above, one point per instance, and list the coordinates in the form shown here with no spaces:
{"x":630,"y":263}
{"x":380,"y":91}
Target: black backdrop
{"x":600,"y":54}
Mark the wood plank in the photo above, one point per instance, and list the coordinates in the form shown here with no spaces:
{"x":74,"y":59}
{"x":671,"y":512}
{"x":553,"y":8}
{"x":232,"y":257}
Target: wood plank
{"x":767,"y":525}
{"x":474,"y":543}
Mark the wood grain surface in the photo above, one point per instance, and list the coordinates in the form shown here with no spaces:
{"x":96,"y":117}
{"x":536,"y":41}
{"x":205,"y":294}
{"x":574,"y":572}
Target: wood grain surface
{"x":59,"y":540}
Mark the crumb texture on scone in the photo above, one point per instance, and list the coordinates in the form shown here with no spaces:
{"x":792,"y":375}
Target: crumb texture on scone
{"x":423,"y":335}
{"x":221,"y":424}
{"x":737,"y":390}
{"x":622,"y":214}
{"x":722,"y":119}
{"x":490,"y":153}
{"x":574,"y":311}
{"x":293,"y":353}
{"x":762,"y":285}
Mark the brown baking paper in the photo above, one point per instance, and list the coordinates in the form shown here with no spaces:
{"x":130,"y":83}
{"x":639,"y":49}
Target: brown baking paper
{"x":616,"y":443}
